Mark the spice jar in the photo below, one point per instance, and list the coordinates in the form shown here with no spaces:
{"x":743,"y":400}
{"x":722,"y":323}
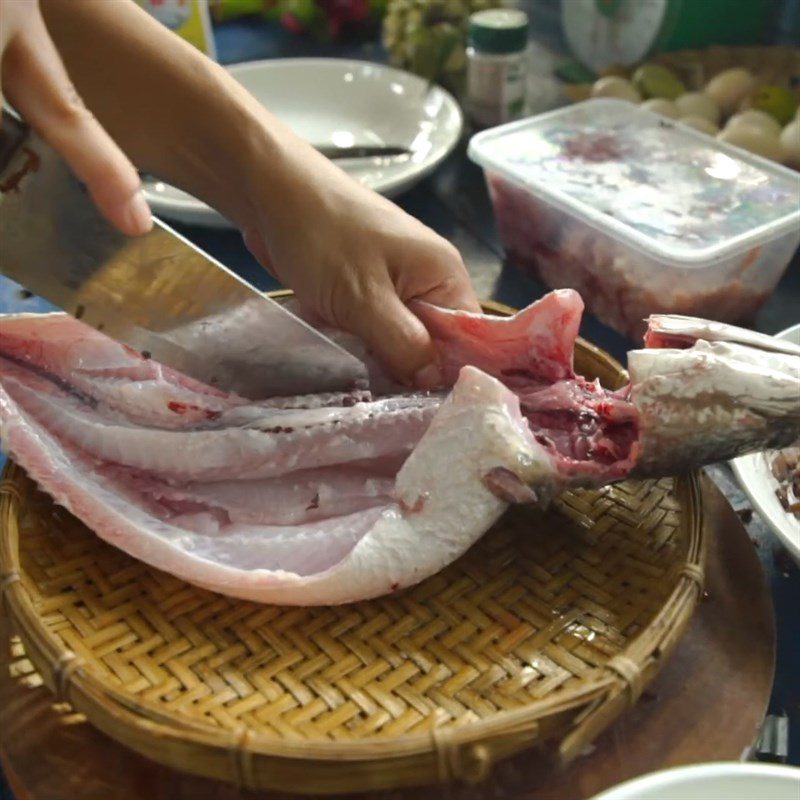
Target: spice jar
{"x":496,"y":79}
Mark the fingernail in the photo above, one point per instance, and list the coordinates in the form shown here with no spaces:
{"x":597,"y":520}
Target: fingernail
{"x":138,"y":218}
{"x":429,"y":377}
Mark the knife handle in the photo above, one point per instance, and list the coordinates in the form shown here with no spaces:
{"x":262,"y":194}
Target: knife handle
{"x":13,"y":132}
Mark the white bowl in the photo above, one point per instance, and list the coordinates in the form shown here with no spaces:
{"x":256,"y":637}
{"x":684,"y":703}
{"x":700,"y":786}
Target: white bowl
{"x":716,"y":781}
{"x":755,"y":477}
{"x":331,"y":101}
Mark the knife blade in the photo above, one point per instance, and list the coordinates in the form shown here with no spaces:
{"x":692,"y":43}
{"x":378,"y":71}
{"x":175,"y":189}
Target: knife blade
{"x":156,"y":293}
{"x":361,"y":151}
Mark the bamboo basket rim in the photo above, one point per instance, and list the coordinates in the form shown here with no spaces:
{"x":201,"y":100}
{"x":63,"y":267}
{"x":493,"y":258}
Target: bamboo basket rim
{"x":470,"y":750}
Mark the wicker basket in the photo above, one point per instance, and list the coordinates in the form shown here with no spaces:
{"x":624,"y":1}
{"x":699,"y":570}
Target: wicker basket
{"x":542,"y":634}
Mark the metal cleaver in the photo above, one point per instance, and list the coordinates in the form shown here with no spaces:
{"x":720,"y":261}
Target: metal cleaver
{"x":157,"y":293}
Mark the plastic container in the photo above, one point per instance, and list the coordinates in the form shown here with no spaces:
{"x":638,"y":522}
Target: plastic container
{"x":640,"y":214}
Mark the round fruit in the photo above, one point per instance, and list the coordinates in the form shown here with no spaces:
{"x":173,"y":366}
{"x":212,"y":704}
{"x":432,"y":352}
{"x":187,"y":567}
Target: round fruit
{"x":666,"y":108}
{"x":730,"y":87}
{"x":614,"y":86}
{"x":653,"y":80}
{"x":754,"y":119}
{"x":790,"y":142}
{"x":698,"y":104}
{"x":777,"y":101}
{"x":700,"y":124}
{"x":755,"y":140}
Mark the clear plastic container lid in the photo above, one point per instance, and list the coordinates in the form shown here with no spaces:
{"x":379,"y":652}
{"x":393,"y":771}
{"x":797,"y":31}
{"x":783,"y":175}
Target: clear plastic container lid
{"x":670,"y":190}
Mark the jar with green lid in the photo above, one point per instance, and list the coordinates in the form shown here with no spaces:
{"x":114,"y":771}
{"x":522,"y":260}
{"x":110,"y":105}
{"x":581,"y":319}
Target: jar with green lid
{"x":496,"y":46}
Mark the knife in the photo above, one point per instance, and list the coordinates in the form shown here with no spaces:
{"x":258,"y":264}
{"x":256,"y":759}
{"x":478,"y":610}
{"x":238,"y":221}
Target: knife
{"x":156,"y":293}
{"x":361,"y":151}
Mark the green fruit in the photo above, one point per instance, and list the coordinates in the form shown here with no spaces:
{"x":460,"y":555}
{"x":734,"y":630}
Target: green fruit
{"x":430,"y":49}
{"x":653,"y":80}
{"x":304,"y":11}
{"x":776,"y":101}
{"x":429,"y":37}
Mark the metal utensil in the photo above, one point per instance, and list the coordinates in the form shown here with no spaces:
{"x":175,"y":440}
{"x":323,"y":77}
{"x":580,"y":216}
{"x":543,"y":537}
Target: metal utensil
{"x":157,"y":293}
{"x":335,"y":153}
{"x":361,"y":151}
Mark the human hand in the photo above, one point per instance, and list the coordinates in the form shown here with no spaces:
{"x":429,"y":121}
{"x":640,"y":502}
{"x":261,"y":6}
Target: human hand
{"x":356,"y":259}
{"x":36,"y":84}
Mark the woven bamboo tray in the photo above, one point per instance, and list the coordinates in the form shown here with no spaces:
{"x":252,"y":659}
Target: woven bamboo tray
{"x":541,"y":635}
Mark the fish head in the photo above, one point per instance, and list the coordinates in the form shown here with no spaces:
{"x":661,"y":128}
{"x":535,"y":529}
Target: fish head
{"x":707,"y":391}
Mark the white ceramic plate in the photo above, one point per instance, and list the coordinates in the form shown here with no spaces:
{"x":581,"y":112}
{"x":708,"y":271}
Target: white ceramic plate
{"x":755,"y":477}
{"x":330,"y":101}
{"x":719,"y":781}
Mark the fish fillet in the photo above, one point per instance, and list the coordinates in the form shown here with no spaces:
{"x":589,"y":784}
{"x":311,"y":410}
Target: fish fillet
{"x":333,"y":498}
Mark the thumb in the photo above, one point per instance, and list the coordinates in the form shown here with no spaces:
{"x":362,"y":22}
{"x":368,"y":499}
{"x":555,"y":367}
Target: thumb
{"x":398,"y":339}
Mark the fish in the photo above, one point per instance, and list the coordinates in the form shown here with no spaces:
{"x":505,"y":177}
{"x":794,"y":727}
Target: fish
{"x":336,"y":498}
{"x":709,"y":391}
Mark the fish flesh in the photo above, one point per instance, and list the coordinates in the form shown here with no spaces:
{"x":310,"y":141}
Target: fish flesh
{"x":327,"y":499}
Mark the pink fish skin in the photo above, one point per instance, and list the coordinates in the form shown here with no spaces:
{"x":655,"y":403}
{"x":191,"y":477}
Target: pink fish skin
{"x":535,"y":345}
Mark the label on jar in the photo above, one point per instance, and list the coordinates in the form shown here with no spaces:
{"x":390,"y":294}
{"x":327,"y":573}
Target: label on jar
{"x":495,"y":88}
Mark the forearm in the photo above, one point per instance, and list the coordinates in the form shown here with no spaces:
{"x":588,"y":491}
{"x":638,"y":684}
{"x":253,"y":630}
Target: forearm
{"x":176,"y":113}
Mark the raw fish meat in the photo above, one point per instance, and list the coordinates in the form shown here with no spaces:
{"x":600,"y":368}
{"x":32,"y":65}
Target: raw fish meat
{"x":333,"y":498}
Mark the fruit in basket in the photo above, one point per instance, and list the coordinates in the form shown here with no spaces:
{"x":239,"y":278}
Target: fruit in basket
{"x":754,"y":119}
{"x":614,"y":86}
{"x":658,"y":105}
{"x":698,"y":104}
{"x":428,"y":37}
{"x":653,"y":80}
{"x":730,"y":87}
{"x":700,"y":124}
{"x":790,"y":142}
{"x":756,"y":140}
{"x":777,"y":101}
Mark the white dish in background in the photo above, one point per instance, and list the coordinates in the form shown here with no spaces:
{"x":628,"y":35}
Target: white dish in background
{"x":755,"y":477}
{"x":716,"y":781}
{"x":331,"y":101}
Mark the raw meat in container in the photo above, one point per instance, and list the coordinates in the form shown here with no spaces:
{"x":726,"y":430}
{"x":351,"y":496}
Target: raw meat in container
{"x":639,"y":214}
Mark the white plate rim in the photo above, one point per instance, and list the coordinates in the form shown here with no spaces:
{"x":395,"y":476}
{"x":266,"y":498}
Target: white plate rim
{"x":195,"y":211}
{"x":674,"y":776}
{"x":782,"y":523}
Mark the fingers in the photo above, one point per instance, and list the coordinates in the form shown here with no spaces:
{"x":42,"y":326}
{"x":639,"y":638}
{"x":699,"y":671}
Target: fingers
{"x":254,"y":242}
{"x":436,"y":274}
{"x":396,"y":337}
{"x":36,"y":84}
{"x":453,"y":292}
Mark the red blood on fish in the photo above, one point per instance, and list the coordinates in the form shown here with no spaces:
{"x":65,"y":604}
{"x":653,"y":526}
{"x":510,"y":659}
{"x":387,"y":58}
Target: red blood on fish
{"x":656,"y":339}
{"x":182,"y":408}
